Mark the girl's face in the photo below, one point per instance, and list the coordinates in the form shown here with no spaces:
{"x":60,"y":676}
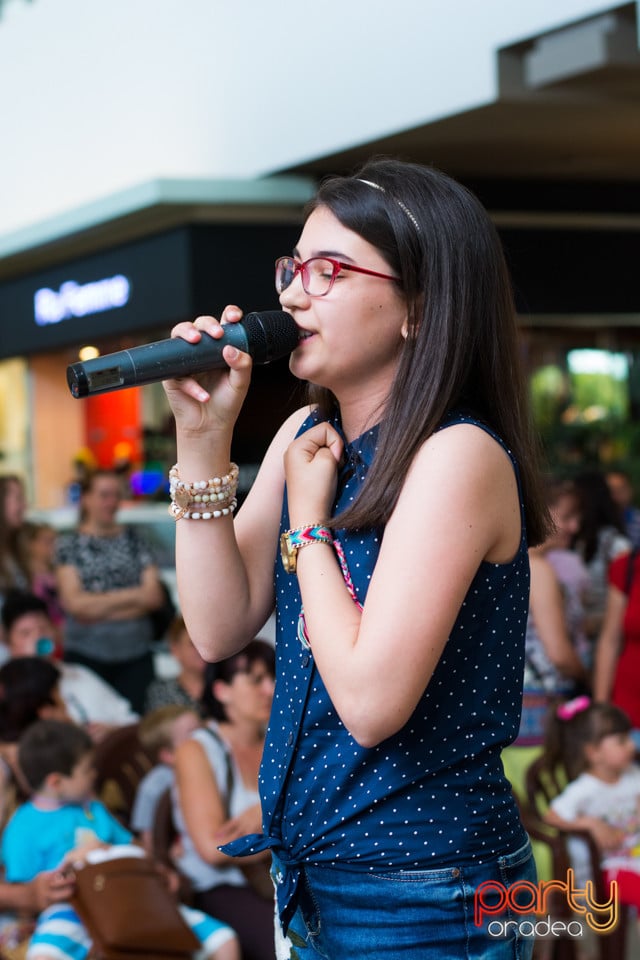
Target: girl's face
{"x":43,"y":545}
{"x":14,"y":504}
{"x":565,"y":513}
{"x":353,"y":334}
{"x":612,"y":755}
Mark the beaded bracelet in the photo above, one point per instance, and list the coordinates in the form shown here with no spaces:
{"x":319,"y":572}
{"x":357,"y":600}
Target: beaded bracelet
{"x":184,"y":513}
{"x":203,"y":499}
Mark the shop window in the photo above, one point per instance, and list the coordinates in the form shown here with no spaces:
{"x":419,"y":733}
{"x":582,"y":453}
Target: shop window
{"x":586,"y":401}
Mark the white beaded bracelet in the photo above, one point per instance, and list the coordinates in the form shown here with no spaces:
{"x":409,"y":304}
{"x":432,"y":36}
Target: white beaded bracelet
{"x":217,"y":495}
{"x":183,"y":513}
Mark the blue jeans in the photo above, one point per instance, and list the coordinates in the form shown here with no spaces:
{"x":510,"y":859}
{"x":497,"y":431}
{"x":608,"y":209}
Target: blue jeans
{"x":347,"y":915}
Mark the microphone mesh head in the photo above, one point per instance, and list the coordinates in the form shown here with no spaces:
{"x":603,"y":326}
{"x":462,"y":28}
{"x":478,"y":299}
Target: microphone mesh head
{"x":271,"y":334}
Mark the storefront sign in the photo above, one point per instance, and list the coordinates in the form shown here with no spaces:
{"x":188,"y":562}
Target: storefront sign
{"x":80,"y":300}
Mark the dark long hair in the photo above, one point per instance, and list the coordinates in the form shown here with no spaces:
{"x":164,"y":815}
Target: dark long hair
{"x":27,"y":684}
{"x":598,"y":510}
{"x":566,"y":739}
{"x":462,"y":348}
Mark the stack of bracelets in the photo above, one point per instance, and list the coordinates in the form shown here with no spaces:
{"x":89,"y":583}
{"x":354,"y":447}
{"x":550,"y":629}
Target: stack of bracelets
{"x":203,"y":499}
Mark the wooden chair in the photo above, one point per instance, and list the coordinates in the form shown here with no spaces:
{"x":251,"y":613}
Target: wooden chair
{"x":163,"y":838}
{"x":543,"y":784}
{"x":121,"y":762}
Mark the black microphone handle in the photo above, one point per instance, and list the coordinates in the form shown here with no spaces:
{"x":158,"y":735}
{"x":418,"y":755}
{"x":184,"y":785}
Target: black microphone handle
{"x":265,"y":335}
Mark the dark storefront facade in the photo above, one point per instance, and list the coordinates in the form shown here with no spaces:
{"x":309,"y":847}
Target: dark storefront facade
{"x":576,"y":292}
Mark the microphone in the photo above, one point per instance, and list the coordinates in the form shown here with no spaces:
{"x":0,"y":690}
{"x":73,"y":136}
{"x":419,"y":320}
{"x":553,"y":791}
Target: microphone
{"x":265,"y":336}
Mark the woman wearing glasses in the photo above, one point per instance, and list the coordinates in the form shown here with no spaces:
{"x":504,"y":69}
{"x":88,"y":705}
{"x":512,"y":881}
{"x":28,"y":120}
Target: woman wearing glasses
{"x":400,"y":636}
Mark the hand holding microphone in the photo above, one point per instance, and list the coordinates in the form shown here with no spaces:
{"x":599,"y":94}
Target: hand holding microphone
{"x":265,"y":336}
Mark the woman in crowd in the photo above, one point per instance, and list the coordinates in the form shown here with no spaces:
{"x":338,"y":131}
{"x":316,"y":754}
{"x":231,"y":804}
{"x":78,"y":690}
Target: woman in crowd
{"x":600,"y":538}
{"x":217,"y":796}
{"x":13,"y":568}
{"x":400,"y":635}
{"x":108,"y":585}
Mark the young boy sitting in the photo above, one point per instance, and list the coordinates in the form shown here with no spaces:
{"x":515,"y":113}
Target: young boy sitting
{"x":160,"y":732}
{"x":60,"y":824}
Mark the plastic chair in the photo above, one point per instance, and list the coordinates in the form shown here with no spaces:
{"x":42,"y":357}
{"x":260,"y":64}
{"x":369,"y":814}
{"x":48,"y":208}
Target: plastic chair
{"x":121,"y":762}
{"x":543,"y":783}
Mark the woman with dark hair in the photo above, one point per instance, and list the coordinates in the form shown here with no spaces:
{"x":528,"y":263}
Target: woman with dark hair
{"x":400,"y":636}
{"x":216,"y":796}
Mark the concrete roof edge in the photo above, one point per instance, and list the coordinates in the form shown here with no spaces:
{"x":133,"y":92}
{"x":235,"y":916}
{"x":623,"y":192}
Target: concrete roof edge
{"x":272,"y":191}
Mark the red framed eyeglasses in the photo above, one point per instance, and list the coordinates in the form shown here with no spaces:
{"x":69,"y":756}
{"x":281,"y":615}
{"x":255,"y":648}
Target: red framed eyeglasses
{"x":318,"y":273}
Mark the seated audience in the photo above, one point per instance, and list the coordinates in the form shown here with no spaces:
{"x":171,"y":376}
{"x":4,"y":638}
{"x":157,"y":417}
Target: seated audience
{"x":217,"y":796}
{"x":161,"y":732}
{"x":592,"y":742}
{"x":185,"y":688}
{"x":59,"y":825}
{"x":29,"y":690}
{"x":89,"y":699}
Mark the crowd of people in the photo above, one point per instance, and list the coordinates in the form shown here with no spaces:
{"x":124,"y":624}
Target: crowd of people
{"x":77,"y":661}
{"x":456,"y":619}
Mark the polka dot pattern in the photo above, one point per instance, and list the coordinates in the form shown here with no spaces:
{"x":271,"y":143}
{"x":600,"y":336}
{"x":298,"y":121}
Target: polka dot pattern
{"x":433,"y":794}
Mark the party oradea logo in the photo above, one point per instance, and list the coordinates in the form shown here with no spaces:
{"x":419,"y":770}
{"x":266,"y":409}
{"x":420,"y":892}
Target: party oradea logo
{"x":531,"y":909}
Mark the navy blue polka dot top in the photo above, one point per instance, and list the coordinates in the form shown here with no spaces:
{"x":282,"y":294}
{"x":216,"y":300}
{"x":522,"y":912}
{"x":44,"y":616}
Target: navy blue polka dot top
{"x":432,"y":795}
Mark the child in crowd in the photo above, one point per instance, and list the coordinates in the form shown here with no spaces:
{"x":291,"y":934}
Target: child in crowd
{"x":90,"y":700}
{"x":161,"y":731}
{"x":188,"y":684}
{"x":60,"y":824}
{"x":38,"y":542}
{"x":593,"y":743}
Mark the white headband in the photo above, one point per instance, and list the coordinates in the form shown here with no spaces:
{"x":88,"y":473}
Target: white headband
{"x":402,"y":205}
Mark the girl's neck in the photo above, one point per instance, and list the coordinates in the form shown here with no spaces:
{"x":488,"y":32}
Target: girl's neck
{"x":606,"y":775}
{"x":360,"y":411}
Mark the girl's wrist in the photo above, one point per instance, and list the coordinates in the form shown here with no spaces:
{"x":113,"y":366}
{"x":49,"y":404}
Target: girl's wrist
{"x":208,"y":457}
